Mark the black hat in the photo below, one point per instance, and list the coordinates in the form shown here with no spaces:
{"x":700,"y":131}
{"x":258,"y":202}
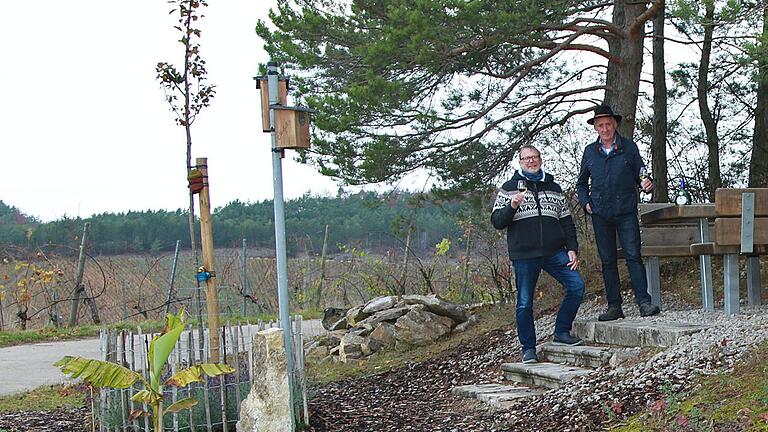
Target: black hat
{"x":603,"y":111}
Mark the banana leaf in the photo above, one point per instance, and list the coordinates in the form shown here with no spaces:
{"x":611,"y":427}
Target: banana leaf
{"x":98,"y":373}
{"x":195,"y":373}
{"x":162,"y":346}
{"x":181,"y":405}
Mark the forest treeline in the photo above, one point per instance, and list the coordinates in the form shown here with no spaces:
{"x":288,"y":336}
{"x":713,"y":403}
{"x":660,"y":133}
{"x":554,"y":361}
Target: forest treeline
{"x":365,"y":220}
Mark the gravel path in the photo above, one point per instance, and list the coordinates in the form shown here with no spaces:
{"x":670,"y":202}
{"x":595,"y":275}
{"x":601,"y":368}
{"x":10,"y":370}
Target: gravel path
{"x":417,"y":397}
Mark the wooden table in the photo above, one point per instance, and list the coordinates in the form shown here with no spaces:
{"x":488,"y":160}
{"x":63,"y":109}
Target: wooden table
{"x":672,"y":215}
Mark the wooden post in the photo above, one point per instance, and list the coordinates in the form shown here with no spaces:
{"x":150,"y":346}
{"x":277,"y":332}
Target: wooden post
{"x":322,"y":268}
{"x":79,"y":280}
{"x":405,"y":260}
{"x":206,"y":235}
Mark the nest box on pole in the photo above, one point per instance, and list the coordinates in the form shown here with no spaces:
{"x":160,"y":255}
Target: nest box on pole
{"x":291,"y":123}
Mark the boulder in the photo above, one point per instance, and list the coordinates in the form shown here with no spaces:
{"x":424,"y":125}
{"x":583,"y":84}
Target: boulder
{"x":438,"y":306}
{"x":383,"y":336}
{"x":351,"y":347}
{"x":466,"y":324}
{"x":355,"y":315}
{"x":268,"y":404}
{"x":379,"y":304}
{"x":332,"y":317}
{"x":421,"y":327}
{"x":385,"y":315}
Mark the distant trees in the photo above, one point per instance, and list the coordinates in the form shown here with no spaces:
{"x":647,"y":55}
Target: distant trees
{"x":366,"y":220}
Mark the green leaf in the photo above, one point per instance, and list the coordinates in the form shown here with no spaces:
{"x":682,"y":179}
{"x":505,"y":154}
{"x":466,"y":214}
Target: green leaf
{"x":162,"y":346}
{"x":97,"y":372}
{"x":181,"y":405}
{"x":148,"y":397}
{"x":194,"y":373}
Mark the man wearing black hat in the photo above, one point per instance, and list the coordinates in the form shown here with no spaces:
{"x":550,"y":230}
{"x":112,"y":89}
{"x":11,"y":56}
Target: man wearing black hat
{"x":613,"y":164}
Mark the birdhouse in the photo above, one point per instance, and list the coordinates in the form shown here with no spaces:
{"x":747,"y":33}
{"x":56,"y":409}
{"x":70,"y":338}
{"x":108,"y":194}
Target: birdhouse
{"x":292,"y":127}
{"x":282,"y":98}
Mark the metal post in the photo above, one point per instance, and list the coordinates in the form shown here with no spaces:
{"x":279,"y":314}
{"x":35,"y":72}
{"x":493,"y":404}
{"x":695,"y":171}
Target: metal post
{"x":754,"y":291}
{"x":171,"y":278}
{"x":280,"y":245}
{"x":731,"y":284}
{"x":245,"y":279}
{"x":705,"y":265}
{"x":654,"y":281}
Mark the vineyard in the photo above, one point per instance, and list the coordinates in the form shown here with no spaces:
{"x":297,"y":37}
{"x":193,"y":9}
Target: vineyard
{"x":37,"y":290}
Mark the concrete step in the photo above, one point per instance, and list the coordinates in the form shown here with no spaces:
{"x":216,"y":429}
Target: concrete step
{"x":496,"y":395}
{"x":549,"y":375}
{"x":582,"y":356}
{"x":642,"y":332}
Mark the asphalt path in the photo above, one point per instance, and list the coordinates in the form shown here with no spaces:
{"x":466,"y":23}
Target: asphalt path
{"x":26,"y":367}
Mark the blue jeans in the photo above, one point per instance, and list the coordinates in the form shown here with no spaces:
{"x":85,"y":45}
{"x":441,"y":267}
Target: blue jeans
{"x":627,"y":228}
{"x":527,"y":273}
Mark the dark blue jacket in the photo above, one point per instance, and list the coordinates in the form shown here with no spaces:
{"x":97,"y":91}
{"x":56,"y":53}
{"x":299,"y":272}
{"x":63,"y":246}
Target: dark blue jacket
{"x":615,"y":178}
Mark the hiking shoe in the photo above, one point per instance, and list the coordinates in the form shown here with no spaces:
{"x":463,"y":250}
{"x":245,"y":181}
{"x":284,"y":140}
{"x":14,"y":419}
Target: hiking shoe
{"x":613,"y":313}
{"x":529,"y":356}
{"x":647,"y":309}
{"x":566,"y":339}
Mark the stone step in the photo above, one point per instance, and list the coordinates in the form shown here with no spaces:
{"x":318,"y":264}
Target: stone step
{"x":582,"y":356}
{"x":496,"y":395}
{"x":635,"y":332}
{"x":549,"y":375}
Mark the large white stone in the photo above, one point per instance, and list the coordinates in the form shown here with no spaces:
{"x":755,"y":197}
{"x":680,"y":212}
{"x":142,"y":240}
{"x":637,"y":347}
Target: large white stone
{"x":268,"y":405}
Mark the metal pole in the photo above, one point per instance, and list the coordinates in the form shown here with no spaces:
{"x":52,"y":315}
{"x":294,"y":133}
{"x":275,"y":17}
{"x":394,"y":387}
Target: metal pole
{"x":245,"y":280}
{"x":171,"y":278}
{"x":282,"y":267}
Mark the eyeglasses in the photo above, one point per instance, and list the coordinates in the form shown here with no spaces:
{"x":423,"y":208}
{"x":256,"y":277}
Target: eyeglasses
{"x":529,"y":158}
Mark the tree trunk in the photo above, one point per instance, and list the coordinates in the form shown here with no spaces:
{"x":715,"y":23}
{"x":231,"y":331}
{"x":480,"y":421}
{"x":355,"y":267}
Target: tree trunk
{"x":622,"y":81}
{"x":758,"y":165}
{"x":702,"y":86}
{"x":659,"y":139}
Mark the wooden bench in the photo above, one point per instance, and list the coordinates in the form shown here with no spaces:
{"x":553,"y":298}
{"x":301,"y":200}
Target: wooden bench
{"x":741,"y":228}
{"x":669,"y":230}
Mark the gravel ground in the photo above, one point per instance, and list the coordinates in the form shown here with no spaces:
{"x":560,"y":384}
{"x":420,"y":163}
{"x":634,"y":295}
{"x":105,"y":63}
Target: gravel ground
{"x":417,"y":397}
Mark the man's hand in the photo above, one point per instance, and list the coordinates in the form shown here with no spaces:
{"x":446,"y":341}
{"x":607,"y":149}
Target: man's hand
{"x":573,"y":262}
{"x":646,"y":185}
{"x":517,"y":199}
{"x":588,"y":208}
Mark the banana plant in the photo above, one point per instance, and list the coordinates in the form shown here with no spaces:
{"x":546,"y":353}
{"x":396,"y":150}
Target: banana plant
{"x":105,"y":374}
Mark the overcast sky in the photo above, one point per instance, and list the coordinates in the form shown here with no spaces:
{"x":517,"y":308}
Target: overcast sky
{"x":85,"y":129}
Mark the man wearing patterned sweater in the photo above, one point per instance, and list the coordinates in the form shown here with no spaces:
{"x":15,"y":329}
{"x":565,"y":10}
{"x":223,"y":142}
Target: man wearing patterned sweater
{"x":541,"y":235}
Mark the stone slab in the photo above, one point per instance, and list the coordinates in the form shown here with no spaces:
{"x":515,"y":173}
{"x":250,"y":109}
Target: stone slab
{"x":635,"y":332}
{"x":582,"y":355}
{"x":549,"y":375}
{"x":496,"y":395}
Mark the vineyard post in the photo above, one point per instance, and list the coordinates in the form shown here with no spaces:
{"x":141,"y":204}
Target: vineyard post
{"x":172,"y":278}
{"x":322,"y":268}
{"x":79,"y":279}
{"x":206,"y":236}
{"x":245,"y":279}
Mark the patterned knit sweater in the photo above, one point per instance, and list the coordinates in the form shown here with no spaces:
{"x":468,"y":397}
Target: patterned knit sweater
{"x":541,"y":225}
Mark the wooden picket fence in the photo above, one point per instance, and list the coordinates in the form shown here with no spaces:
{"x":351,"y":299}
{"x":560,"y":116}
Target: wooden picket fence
{"x":218,"y":398}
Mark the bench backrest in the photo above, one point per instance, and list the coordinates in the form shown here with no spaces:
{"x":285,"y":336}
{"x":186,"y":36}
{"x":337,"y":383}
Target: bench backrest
{"x":728,"y":202}
{"x":728,"y":208}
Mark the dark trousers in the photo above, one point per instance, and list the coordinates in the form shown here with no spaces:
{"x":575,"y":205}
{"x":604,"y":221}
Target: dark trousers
{"x":527,"y":273}
{"x":627,"y":228}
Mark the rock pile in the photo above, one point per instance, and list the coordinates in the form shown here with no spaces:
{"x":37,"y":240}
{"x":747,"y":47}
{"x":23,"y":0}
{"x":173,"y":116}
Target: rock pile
{"x":386,"y":322}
